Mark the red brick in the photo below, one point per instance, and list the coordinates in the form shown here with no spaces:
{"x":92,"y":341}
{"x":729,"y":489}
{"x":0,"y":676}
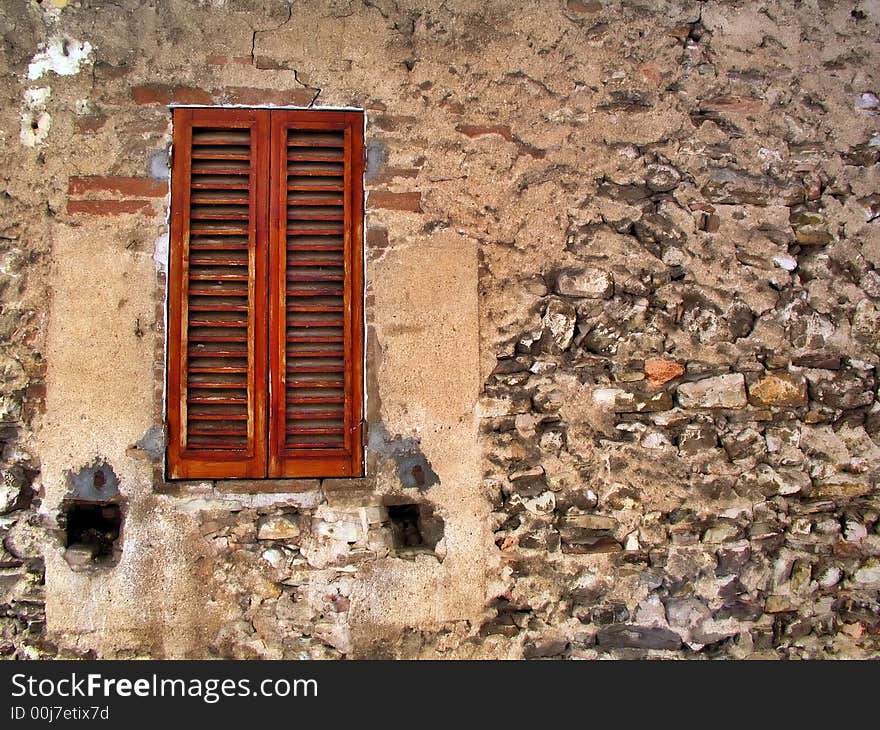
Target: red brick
{"x":187,"y":95}
{"x":109,"y":207}
{"x":387,"y":174}
{"x":479,"y":130}
{"x":134,"y":186}
{"x":377,"y":238}
{"x":216,"y":60}
{"x":660,"y":370}
{"x":651,"y":72}
{"x":395,"y":201}
{"x":164,"y":94}
{"x":258,"y":97}
{"x":392,"y":122}
{"x":267,"y":63}
{"x":89,"y":123}
{"x":151,"y":94}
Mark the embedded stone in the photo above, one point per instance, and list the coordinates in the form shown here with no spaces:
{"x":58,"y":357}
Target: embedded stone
{"x":697,"y":437}
{"x":743,"y":443}
{"x":732,"y":557}
{"x":662,"y":178}
{"x":511,"y":365}
{"x":721,"y":391}
{"x":722,"y":531}
{"x":589,"y":522}
{"x":656,"y":232}
{"x":503,"y":405}
{"x":277,"y":527}
{"x":275,"y":557}
{"x":660,"y":370}
{"x":542,"y":504}
{"x":342,"y":530}
{"x":544,"y":648}
{"x":729,"y":186}
{"x":559,"y":321}
{"x":800,"y":217}
{"x":602,"y":615}
{"x":840,"y":489}
{"x":590,"y":545}
{"x":655,"y":440}
{"x":866,"y":324}
{"x":786,"y":262}
{"x":870,"y":283}
{"x":828,"y":576}
{"x":845,"y":390}
{"x":81,"y":554}
{"x":629,"y":636}
{"x":603,"y":339}
{"x":782,"y":481}
{"x":867,"y":100}
{"x":528,"y":482}
{"x":585,"y":284}
{"x":779,"y":389}
{"x":812,"y":236}
{"x":622,"y":401}
{"x":10,"y":489}
{"x":810,"y":227}
{"x":686,"y":612}
{"x":779,"y":604}
{"x":868,"y":576}
{"x":24,"y":540}
{"x":821,"y":360}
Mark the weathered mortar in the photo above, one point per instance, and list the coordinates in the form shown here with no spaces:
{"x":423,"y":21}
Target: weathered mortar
{"x":644,"y":238}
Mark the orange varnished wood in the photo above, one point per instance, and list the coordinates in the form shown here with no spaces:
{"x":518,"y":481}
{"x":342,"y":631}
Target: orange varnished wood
{"x":289,"y":457}
{"x":290,"y":430}
{"x":217,"y":457}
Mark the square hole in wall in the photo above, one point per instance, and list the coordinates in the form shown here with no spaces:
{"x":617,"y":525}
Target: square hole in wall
{"x":414,"y":527}
{"x":92,"y":531}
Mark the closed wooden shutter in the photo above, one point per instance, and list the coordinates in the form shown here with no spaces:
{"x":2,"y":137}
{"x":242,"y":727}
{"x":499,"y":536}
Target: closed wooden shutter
{"x":316,"y":284}
{"x":217,"y":304}
{"x":265,"y":294}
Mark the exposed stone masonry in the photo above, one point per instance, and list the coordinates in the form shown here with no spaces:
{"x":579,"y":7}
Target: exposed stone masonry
{"x":683,"y":452}
{"x":674,"y":210}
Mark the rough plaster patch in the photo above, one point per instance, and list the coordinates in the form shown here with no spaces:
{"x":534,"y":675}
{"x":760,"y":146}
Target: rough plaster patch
{"x":95,"y":482}
{"x":62,"y":55}
{"x":35,"y":120}
{"x":152,"y":442}
{"x":160,"y":253}
{"x":158,"y":165}
{"x":426,"y":304}
{"x":413,"y":467}
{"x":376,"y":156}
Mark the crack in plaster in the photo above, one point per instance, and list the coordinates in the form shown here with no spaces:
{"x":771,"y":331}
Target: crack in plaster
{"x":316,"y":89}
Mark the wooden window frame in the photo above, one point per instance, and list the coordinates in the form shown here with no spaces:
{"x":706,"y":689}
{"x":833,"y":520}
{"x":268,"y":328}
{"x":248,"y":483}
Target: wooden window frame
{"x":266,"y":455}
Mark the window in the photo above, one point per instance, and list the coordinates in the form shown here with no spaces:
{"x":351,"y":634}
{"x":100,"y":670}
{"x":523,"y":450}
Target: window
{"x":265,"y":294}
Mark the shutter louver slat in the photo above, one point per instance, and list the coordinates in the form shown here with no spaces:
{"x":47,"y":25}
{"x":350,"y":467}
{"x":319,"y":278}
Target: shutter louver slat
{"x":217,"y":357}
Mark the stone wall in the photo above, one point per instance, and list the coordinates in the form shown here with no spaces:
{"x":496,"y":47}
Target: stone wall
{"x":623,"y":279}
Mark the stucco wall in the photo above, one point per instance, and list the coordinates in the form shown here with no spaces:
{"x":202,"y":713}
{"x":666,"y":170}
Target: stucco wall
{"x":622,"y":290}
